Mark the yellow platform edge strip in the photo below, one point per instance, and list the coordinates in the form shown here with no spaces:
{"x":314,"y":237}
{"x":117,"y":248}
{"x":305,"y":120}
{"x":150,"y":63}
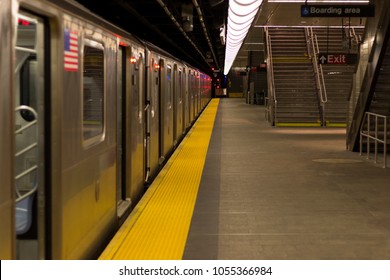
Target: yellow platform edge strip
{"x":158,"y":226}
{"x":298,"y":124}
{"x":236,"y":94}
{"x":336,"y":124}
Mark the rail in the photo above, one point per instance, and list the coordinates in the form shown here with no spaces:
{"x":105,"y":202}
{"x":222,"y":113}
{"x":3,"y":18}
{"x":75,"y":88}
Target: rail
{"x":271,"y":102}
{"x":266,"y":111}
{"x":318,"y":67}
{"x":352,"y":34}
{"x":375,"y":136}
{"x":33,"y":168}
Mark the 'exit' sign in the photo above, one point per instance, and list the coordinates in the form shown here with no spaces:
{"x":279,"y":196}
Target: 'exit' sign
{"x":337,"y":58}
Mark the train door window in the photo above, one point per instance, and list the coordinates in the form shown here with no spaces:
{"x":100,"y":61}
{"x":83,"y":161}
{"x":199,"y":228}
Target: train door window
{"x":157,"y":68}
{"x":185,"y":89}
{"x":93,"y":92}
{"x":155,"y":85}
{"x":29,"y":135}
{"x":180,"y":86}
{"x":169,"y":84}
{"x":140,"y":87}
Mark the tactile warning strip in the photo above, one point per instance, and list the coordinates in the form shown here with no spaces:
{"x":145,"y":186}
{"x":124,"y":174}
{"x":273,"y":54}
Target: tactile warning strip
{"x":158,"y":226}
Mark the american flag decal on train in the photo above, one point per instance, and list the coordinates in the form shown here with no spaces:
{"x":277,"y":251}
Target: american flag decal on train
{"x":71,"y":51}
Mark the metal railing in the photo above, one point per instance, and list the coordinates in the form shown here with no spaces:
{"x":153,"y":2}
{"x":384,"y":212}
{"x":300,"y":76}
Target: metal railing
{"x":271,"y":102}
{"x":314,"y":50}
{"x":355,"y":39}
{"x":33,"y":168}
{"x":374,"y":135}
{"x":267,"y":111}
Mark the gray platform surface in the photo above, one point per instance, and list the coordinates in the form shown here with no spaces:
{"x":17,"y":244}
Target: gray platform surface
{"x":287,"y":193}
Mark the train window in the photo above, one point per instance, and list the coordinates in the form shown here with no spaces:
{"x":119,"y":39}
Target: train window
{"x":135,"y":62}
{"x":26,"y":35}
{"x":169,"y":76}
{"x":140,"y":86}
{"x":180,"y":86}
{"x":26,"y":64}
{"x":93,"y":91}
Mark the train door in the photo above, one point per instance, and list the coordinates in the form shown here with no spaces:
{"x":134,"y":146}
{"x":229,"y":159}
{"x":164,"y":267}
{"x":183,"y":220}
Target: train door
{"x":153,"y":116}
{"x":196,"y":93}
{"x":200,"y":92}
{"x":192,"y":95}
{"x":7,"y":231}
{"x":31,"y":97}
{"x":185,"y":100}
{"x":180,"y":129}
{"x":177,"y":104}
{"x":166,"y":110}
{"x":135,"y":125}
{"x":123,"y":199}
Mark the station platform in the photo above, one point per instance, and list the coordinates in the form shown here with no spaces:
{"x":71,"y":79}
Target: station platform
{"x":237,"y":188}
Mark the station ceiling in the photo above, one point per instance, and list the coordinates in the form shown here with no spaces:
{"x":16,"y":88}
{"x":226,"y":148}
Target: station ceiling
{"x":152,"y":20}
{"x":164,"y":22}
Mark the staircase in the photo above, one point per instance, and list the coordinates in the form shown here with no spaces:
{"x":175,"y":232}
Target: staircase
{"x":337,"y":77}
{"x":380,"y":103}
{"x":379,"y":110}
{"x":295,"y":90}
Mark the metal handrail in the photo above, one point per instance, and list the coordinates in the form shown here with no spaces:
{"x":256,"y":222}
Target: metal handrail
{"x":26,"y":50}
{"x":271,"y":80}
{"x":375,"y":137}
{"x":24,"y":150}
{"x":352,"y":33}
{"x":266,"y":111}
{"x":318,"y":68}
{"x":324,"y":97}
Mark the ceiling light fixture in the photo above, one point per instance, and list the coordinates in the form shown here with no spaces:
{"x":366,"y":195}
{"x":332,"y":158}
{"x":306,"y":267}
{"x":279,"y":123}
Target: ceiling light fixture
{"x":240,"y":18}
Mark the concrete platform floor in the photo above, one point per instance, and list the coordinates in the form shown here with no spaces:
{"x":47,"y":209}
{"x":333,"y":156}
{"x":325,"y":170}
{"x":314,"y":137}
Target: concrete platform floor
{"x":287,"y":193}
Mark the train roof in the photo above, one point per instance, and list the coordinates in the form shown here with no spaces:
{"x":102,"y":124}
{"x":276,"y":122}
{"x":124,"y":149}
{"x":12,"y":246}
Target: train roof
{"x":78,"y":9}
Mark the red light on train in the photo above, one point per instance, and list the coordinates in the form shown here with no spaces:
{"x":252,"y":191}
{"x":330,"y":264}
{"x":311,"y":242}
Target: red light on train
{"x":23,"y":22}
{"x":156,"y":66}
{"x":133,"y":60}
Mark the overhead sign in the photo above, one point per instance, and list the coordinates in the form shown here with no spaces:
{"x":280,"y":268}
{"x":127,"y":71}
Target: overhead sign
{"x":337,"y":10}
{"x":339,"y":58}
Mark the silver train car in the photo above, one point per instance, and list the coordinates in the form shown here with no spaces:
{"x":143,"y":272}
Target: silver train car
{"x":89,"y":114}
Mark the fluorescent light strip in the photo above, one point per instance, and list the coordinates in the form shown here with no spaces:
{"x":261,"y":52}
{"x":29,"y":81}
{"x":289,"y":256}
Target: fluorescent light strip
{"x":240,"y":18}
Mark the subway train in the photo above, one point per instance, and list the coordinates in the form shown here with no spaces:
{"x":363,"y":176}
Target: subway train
{"x":89,"y":115}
